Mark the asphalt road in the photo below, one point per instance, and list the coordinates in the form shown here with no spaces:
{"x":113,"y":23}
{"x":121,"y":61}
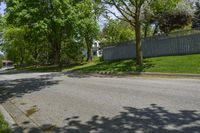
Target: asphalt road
{"x":77,"y":103}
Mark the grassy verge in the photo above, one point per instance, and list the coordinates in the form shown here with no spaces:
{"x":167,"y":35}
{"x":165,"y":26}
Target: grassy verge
{"x":4,"y":128}
{"x":167,"y":64}
{"x":175,"y":64}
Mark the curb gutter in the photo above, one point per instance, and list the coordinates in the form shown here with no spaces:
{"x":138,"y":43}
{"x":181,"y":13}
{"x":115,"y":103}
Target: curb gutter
{"x":12,"y":124}
{"x":139,"y":74}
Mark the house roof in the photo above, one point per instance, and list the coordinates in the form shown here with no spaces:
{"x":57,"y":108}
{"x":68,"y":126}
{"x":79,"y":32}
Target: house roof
{"x":7,"y":61}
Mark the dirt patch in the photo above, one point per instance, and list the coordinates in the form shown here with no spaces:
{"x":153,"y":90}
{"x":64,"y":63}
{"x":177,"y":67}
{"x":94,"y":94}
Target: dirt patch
{"x":49,"y":128}
{"x":22,"y":103}
{"x":32,"y":110}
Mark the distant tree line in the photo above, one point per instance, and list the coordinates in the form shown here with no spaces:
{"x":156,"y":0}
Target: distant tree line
{"x":44,"y":32}
{"x":49,"y":31}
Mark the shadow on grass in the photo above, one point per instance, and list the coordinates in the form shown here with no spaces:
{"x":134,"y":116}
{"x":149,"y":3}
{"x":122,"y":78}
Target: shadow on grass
{"x":117,"y":66}
{"x":153,"y":119}
{"x":96,"y":66}
{"x":147,"y":64}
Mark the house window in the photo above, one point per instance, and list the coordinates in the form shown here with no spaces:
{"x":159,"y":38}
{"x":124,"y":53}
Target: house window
{"x":94,"y":52}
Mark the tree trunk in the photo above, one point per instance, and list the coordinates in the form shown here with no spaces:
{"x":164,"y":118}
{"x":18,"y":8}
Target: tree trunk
{"x":89,"y":54}
{"x":21,"y":57}
{"x":21,"y":60}
{"x":56,"y":46}
{"x":35,"y":55}
{"x":146,"y":30}
{"x":139,"y":54}
{"x":89,"y":42}
{"x":57,"y":54}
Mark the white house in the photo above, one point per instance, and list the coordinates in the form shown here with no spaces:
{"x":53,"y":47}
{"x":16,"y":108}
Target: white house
{"x":96,"y":49}
{"x":7,"y":64}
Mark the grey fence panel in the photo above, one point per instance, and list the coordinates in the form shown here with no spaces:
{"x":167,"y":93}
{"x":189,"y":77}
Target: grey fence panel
{"x":157,"y":46}
{"x":119,"y":52}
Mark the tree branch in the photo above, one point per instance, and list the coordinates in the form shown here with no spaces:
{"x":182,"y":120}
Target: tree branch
{"x":118,"y":17}
{"x":121,"y":11}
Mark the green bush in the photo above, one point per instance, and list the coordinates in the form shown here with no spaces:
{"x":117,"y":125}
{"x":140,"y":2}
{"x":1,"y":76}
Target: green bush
{"x":1,"y":58}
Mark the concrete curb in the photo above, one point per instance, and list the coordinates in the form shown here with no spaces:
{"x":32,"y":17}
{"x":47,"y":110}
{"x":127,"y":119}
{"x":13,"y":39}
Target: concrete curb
{"x":12,"y":124}
{"x":156,"y":74}
{"x":168,"y":74}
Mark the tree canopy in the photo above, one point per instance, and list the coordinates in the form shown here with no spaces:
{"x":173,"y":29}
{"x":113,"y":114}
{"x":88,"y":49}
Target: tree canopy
{"x":196,"y":19}
{"x":117,"y":31}
{"x":49,"y":27}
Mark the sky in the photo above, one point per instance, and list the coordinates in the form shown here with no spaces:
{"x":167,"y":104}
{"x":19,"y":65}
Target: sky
{"x":2,"y":8}
{"x":103,"y":21}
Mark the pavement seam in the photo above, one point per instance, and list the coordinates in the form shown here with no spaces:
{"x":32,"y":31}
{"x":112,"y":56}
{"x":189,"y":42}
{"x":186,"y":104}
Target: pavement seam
{"x":31,"y":121}
{"x":24,"y":114}
{"x":8,"y":118}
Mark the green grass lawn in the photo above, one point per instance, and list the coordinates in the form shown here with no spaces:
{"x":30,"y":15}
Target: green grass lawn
{"x":175,"y":64}
{"x":167,"y":64}
{"x":4,"y":128}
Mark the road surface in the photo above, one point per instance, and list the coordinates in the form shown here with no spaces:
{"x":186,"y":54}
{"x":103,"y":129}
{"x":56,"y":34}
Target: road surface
{"x":81,"y":103}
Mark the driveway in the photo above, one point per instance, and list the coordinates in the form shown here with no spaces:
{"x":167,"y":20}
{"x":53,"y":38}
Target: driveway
{"x":55,"y":102}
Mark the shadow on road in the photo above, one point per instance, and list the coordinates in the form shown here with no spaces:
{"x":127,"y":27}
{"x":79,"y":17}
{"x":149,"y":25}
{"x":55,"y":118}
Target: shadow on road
{"x":19,"y":87}
{"x":153,"y":119}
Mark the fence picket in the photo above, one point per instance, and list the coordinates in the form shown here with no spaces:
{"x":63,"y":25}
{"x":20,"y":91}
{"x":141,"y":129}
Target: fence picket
{"x":158,"y":46}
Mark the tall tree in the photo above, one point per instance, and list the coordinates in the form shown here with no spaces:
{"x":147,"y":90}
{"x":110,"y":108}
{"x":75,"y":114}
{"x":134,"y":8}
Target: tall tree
{"x":88,"y":28}
{"x":49,"y":20}
{"x":131,"y":11}
{"x":135,"y":12}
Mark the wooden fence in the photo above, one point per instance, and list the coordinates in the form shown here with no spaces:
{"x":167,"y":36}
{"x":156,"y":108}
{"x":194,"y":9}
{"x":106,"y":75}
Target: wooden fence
{"x":155,"y":46}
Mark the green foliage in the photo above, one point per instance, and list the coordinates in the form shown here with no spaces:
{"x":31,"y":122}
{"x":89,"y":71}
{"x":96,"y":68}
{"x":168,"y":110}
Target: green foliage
{"x":88,"y":28}
{"x":196,"y":19}
{"x":4,"y":127}
{"x":71,"y":52}
{"x":160,"y":6}
{"x":169,"y":15}
{"x":15,"y":45}
{"x":36,"y":31}
{"x":177,"y":18}
{"x":1,"y":58}
{"x":117,"y":31}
